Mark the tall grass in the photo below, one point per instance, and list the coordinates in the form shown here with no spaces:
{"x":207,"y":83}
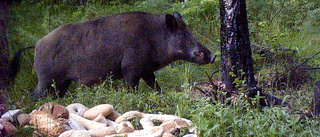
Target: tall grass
{"x":274,"y":24}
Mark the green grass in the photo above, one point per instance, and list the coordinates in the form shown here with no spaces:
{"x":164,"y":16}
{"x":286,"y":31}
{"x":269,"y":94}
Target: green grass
{"x":273,"y":24}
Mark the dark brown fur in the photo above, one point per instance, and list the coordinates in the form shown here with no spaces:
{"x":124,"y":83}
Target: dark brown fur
{"x":131,"y":46}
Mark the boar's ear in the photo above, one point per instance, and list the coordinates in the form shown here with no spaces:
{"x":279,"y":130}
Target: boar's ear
{"x":171,"y":22}
{"x":177,"y":15}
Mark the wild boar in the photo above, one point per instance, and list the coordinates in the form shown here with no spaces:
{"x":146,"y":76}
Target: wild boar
{"x":131,"y":46}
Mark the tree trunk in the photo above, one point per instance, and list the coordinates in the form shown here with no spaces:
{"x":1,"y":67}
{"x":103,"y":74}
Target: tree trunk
{"x":236,"y":58}
{"x":235,"y":44}
{"x":4,"y":53}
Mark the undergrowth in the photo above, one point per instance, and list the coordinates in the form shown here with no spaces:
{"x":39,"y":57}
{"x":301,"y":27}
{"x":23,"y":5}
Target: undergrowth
{"x":274,"y":26}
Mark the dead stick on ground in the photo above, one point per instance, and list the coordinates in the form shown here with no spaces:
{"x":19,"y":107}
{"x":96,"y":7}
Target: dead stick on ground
{"x":295,"y":68}
{"x":215,"y":87}
{"x":305,"y":61}
{"x":310,"y":68}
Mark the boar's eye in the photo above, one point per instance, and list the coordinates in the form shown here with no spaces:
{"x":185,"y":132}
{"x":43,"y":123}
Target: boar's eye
{"x":199,"y":54}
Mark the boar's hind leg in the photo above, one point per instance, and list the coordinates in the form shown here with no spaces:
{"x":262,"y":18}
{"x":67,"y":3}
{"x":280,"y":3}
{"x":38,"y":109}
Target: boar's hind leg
{"x":44,"y":88}
{"x":150,"y":79}
{"x":41,"y":90}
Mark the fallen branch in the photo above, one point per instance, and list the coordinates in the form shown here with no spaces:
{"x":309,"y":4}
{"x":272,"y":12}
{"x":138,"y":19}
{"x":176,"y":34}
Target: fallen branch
{"x":304,"y":62}
{"x":293,"y":70}
{"x":208,"y":94}
{"x":266,"y":99}
{"x":210,"y":79}
{"x":309,"y":68}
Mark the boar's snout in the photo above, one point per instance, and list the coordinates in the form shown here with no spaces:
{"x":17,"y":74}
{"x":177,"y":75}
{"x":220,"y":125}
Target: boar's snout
{"x":203,"y":57}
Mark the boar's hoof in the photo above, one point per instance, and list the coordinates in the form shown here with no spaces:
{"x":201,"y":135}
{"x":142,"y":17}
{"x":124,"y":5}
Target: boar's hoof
{"x":35,"y":96}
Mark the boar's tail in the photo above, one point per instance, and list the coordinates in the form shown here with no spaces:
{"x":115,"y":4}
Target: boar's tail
{"x":15,"y":63}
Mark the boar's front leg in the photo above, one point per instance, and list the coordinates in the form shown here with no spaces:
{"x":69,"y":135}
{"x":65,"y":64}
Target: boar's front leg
{"x":63,"y":87}
{"x":131,"y":78}
{"x":150,"y":79}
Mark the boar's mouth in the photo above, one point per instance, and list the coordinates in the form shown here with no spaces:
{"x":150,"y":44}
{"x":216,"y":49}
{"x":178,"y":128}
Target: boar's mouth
{"x":213,"y":57}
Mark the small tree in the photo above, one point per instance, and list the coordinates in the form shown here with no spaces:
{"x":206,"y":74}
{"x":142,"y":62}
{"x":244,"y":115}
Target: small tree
{"x":4,"y":58}
{"x":236,"y":54}
{"x":235,"y":44}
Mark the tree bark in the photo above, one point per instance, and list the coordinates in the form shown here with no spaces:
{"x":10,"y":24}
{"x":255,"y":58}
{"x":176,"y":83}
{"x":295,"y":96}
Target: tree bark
{"x":235,"y":44}
{"x":4,"y":53}
{"x":316,"y":99}
{"x":236,"y":56}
